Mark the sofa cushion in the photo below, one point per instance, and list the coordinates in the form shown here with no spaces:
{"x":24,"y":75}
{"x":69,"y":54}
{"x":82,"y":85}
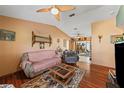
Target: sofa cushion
{"x":41,"y":55}
{"x":46,"y":63}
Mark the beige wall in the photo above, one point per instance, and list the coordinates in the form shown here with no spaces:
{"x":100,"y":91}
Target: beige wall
{"x":103,"y":53}
{"x":11,"y":51}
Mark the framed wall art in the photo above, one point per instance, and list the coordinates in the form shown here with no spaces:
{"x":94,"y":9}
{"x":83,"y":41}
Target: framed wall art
{"x":65,"y":43}
{"x":117,"y":39}
{"x":6,"y":35}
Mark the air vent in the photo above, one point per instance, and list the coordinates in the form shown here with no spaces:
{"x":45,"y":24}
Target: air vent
{"x":71,"y":15}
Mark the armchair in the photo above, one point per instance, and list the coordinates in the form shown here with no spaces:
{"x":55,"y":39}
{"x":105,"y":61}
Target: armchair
{"x":70,"y":56}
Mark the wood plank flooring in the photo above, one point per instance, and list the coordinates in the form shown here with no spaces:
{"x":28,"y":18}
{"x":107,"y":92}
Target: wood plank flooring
{"x":96,"y":77}
{"x":16,"y":79}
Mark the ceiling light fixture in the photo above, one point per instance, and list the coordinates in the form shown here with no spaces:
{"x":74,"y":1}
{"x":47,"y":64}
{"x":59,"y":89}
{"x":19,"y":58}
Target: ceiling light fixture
{"x":54,"y":11}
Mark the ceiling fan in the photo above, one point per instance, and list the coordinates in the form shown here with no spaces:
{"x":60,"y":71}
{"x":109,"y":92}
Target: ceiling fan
{"x":56,"y":9}
{"x":77,"y":34}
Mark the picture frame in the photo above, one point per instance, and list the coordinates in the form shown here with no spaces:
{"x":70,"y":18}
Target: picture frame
{"x":64,"y":43}
{"x":117,"y":39}
{"x":6,"y":35}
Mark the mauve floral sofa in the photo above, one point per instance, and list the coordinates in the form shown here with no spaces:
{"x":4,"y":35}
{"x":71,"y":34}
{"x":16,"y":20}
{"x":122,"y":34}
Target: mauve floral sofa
{"x":34,"y":63}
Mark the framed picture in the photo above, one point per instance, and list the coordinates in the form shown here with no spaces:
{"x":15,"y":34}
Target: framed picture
{"x":117,"y":39}
{"x":7,"y":35}
{"x":64,"y":43}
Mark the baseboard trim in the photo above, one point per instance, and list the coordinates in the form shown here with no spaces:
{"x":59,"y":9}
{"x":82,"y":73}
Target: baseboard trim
{"x":102,"y":66}
{"x":3,"y":76}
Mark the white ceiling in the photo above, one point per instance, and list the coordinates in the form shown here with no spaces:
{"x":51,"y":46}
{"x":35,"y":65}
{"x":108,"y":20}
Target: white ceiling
{"x":84,"y":16}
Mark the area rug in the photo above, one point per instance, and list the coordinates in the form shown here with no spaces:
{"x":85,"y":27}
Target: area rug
{"x":45,"y":81}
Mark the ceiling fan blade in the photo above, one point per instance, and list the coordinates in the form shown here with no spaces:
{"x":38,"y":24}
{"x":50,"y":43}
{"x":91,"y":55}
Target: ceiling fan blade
{"x":63,"y":8}
{"x":44,"y":10}
{"x":57,"y":16}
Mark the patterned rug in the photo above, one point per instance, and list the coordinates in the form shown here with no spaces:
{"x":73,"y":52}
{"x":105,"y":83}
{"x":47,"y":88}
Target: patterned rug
{"x":45,"y":81}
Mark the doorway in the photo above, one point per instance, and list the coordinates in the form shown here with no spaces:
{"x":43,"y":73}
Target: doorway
{"x":84,"y":49}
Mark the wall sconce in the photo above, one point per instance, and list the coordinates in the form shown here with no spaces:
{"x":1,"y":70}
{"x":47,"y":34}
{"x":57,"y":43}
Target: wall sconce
{"x":100,"y":37}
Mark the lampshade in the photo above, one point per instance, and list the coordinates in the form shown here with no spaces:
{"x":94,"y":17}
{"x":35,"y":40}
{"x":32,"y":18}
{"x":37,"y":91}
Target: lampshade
{"x":54,"y":11}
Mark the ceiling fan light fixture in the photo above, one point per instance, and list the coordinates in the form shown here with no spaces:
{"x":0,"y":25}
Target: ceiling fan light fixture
{"x":54,"y":11}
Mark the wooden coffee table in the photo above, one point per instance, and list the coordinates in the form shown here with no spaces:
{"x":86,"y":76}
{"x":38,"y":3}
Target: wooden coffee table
{"x":62,"y":73}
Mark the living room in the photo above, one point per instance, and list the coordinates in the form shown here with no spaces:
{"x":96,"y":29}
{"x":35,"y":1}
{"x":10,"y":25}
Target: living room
{"x":29,"y":34}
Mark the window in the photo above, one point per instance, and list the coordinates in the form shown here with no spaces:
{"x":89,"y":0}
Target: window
{"x":64,"y":43}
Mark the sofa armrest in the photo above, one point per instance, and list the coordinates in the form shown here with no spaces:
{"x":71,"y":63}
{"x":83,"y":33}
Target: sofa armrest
{"x":27,"y":68}
{"x":24,"y":60}
{"x":24,"y":63}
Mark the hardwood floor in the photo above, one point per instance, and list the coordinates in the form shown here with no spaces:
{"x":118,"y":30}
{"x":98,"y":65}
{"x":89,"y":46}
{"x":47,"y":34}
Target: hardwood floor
{"x":16,"y":79}
{"x":96,"y":77}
